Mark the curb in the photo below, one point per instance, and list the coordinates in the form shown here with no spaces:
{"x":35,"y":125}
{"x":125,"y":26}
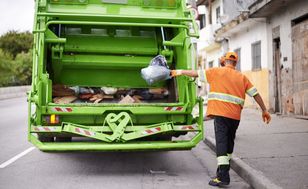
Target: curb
{"x":252,"y":176}
{"x":13,"y":92}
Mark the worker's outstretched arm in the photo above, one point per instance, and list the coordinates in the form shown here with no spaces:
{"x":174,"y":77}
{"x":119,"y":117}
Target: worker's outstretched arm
{"x":265,"y":115}
{"x":190,"y":73}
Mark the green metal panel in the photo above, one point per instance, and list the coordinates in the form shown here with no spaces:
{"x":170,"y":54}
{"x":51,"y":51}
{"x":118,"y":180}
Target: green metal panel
{"x":131,"y":146}
{"x":115,"y":45}
{"x":99,"y":43}
{"x":105,"y":61}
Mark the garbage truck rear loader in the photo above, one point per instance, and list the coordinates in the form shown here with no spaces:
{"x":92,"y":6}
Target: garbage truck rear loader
{"x":96,"y":45}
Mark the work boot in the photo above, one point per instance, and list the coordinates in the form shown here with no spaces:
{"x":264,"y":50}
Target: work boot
{"x":218,"y":182}
{"x":217,"y":170}
{"x":222,"y":178}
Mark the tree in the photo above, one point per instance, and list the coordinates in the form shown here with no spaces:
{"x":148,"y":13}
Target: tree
{"x":6,"y":74}
{"x":14,"y":42}
{"x":22,"y":68}
{"x":15,"y":58}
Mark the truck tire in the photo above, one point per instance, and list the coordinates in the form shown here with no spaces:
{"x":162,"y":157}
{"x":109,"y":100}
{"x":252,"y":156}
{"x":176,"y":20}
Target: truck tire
{"x":63,"y":139}
{"x":44,"y":138}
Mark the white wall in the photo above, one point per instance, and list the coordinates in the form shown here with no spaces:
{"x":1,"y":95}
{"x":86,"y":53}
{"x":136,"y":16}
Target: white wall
{"x":243,"y":39}
{"x":283,"y":19}
{"x":233,"y":9}
{"x":206,"y":37}
{"x":213,"y":55}
{"x":214,"y":20}
{"x":207,"y":33}
{"x":215,"y":5}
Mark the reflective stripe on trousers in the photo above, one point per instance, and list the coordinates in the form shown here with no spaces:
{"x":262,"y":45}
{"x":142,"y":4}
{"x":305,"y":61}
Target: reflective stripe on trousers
{"x":223,"y":160}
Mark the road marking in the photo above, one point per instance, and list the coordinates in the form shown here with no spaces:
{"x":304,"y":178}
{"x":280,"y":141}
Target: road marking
{"x":13,"y":159}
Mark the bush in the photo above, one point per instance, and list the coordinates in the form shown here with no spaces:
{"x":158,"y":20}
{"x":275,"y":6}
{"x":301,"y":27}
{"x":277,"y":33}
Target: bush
{"x":6,"y":74}
{"x":22,"y":68}
{"x":15,"y":58}
{"x":14,"y":42}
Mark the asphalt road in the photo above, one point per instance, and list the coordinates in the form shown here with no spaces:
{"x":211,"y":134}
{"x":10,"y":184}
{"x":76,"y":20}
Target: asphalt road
{"x":134,"y":170}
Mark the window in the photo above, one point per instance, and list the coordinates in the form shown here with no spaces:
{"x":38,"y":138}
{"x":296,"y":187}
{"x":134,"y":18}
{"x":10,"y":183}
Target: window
{"x":238,"y":65}
{"x":211,"y":63}
{"x":202,"y":21}
{"x":256,"y":55}
{"x":217,"y":14}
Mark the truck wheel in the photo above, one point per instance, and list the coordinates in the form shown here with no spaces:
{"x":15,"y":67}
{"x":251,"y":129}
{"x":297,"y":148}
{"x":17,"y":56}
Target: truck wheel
{"x":63,"y":139}
{"x":43,"y":138}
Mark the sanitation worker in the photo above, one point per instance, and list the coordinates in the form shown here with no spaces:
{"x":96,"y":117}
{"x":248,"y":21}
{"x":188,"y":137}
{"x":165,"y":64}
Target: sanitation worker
{"x":225,"y":102}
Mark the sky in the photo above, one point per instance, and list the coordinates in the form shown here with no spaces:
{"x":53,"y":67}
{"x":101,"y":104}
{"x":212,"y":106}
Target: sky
{"x":16,"y":15}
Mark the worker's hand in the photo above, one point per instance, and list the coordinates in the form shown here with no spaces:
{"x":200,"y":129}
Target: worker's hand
{"x":175,"y":73}
{"x":266,"y":117}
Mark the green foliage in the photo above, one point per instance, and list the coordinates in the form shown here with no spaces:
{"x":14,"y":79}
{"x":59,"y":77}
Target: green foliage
{"x":6,"y":74}
{"x":14,"y":42}
{"x":15,"y":58}
{"x":22,"y":68}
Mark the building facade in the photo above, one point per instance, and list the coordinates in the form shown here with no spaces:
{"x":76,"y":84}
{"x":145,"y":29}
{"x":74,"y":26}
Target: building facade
{"x":209,"y":49}
{"x":287,"y":33}
{"x":271,"y":38}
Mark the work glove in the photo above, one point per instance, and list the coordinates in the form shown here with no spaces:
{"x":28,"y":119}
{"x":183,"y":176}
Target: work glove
{"x":266,"y":117}
{"x":175,"y":73}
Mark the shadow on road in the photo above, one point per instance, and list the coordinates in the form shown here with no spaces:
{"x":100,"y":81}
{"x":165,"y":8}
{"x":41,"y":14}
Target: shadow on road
{"x":120,"y":162}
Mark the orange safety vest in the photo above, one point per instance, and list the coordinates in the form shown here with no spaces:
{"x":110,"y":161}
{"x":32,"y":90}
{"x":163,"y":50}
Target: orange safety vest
{"x":227,"y":91}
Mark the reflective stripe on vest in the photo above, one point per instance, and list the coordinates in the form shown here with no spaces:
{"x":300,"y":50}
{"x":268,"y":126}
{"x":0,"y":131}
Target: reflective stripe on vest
{"x":252,"y":91}
{"x":226,"y":98}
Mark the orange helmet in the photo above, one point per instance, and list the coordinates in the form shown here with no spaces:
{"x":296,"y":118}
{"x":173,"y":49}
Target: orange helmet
{"x":231,"y":56}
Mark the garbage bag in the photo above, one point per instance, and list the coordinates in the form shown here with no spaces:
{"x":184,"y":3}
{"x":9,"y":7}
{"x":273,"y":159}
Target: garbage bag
{"x":82,"y":90}
{"x":156,"y":71}
{"x":109,"y":90}
{"x":159,"y":60}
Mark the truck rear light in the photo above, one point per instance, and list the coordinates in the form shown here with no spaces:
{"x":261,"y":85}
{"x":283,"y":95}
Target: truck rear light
{"x":52,"y":119}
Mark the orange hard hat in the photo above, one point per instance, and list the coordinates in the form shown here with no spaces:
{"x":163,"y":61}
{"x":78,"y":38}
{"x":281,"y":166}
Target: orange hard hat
{"x":231,"y":56}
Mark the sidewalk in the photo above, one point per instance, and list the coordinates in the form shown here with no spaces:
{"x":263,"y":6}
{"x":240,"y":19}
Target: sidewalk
{"x":279,"y":150}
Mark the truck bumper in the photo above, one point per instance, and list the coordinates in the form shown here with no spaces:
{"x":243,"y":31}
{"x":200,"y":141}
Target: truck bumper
{"x":128,"y":146}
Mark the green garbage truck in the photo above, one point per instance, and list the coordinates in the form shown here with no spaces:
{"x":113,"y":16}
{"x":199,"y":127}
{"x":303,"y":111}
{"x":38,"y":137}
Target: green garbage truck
{"x":87,"y":91}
